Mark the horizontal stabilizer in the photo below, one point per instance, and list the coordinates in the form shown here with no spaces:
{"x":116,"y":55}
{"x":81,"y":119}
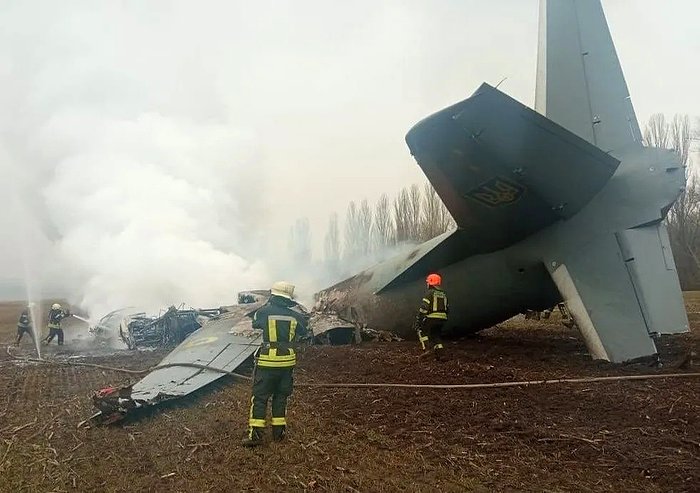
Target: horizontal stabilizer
{"x":503,"y":170}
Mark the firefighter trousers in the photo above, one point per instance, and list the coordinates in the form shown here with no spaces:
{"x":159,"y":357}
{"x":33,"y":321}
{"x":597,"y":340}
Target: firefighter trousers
{"x":55,"y":333}
{"x":275,"y":383}
{"x":23,"y":330}
{"x":433,"y":329}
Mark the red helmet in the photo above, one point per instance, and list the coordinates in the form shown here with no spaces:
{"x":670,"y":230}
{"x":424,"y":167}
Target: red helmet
{"x":433,"y":280}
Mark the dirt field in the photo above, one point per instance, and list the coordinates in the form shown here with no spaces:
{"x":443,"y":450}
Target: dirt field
{"x":616,"y":436}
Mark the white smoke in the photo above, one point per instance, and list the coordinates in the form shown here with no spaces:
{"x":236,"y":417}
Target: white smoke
{"x":148,"y":212}
{"x":165,"y":147}
{"x":120,"y":150}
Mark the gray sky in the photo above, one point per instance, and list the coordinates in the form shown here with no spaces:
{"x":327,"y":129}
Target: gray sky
{"x":316,"y":95}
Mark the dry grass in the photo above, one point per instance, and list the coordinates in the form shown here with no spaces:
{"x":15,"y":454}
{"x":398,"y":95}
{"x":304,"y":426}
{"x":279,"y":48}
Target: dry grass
{"x":622,"y":436}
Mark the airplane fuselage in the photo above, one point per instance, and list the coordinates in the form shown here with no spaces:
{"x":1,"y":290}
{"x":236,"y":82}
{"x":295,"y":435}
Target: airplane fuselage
{"x":489,"y":288}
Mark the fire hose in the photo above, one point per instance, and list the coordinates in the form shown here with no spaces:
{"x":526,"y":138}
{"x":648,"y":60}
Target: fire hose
{"x":523,"y":383}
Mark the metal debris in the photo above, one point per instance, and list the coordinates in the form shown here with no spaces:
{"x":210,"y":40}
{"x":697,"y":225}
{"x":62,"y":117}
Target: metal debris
{"x":167,"y":330}
{"x":224,"y":343}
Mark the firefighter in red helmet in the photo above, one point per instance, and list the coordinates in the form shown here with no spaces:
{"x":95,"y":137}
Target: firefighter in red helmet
{"x":432,"y":316}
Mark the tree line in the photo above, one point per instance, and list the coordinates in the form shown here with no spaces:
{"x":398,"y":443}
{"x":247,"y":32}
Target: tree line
{"x":371,"y":232}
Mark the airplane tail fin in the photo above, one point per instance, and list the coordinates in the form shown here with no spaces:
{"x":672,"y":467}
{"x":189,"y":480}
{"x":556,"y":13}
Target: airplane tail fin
{"x":580,"y":84}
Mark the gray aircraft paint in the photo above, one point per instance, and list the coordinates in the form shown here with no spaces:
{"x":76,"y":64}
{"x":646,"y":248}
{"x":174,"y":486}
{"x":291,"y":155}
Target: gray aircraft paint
{"x":217,"y":344}
{"x":564,"y":207}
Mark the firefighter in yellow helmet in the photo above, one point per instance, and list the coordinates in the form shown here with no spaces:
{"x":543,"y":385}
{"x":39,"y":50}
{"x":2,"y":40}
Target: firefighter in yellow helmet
{"x":56,"y":314}
{"x":283,"y":321}
{"x":432,"y":316}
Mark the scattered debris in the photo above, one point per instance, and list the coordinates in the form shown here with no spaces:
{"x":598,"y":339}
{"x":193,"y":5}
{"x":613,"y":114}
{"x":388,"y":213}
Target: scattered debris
{"x":566,"y":318}
{"x":138,"y":330}
{"x":255,"y":296}
{"x":167,"y":330}
{"x":212,"y":343}
{"x":375,"y":335}
{"x":223,"y":343}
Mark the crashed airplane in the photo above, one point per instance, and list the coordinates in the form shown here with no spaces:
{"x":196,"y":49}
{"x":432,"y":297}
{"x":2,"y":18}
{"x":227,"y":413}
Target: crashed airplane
{"x":562,"y":203}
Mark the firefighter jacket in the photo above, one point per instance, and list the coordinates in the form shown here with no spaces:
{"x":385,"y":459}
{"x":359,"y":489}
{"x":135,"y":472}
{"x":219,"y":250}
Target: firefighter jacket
{"x":24,"y":322}
{"x":282,"y":325}
{"x":434,"y":305}
{"x":55,"y":317}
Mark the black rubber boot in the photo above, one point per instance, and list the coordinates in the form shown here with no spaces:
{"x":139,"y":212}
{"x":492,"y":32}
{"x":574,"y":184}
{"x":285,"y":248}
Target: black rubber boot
{"x":253,"y":438}
{"x":440,"y":352}
{"x":278,"y":433}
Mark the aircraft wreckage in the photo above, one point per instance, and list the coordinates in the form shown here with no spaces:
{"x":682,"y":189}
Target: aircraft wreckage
{"x":224,"y":341}
{"x":137,"y":330}
{"x":560,"y":203}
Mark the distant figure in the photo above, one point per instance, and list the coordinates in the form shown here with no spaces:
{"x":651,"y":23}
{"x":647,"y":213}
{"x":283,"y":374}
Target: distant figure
{"x":56,"y":314}
{"x":282,"y":321}
{"x":24,"y":325}
{"x":432,"y":316}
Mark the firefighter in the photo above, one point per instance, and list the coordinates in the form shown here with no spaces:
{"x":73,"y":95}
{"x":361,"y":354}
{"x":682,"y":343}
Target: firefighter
{"x":432,"y":316}
{"x":282,"y":321}
{"x":56,"y":314}
{"x":24,"y":325}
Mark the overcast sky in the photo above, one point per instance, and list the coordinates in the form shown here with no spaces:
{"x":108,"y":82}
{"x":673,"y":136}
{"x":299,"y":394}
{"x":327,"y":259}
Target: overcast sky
{"x":317,"y":95}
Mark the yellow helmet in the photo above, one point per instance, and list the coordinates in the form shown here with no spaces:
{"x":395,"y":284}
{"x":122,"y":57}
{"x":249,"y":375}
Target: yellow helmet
{"x":283,"y":289}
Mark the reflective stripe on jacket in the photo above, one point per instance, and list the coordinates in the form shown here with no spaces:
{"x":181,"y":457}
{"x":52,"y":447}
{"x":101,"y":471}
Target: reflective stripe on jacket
{"x":434,"y":304}
{"x":281,"y":326}
{"x":55,"y":317}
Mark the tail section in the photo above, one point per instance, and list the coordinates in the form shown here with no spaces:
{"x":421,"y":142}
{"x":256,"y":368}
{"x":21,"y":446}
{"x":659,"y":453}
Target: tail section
{"x":646,"y":251}
{"x":580,"y":84}
{"x":595,"y":283}
{"x":622,"y":290}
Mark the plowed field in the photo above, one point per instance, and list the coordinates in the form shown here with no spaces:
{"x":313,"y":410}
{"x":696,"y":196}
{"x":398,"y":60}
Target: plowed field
{"x":612,"y":436}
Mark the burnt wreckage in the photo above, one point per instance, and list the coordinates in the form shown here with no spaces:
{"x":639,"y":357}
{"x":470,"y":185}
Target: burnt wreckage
{"x":167,"y":330}
{"x":223,"y":342}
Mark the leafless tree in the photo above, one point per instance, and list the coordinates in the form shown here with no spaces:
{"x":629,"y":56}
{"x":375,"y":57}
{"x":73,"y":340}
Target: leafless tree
{"x":656,"y":132}
{"x":300,"y":242}
{"x":355,"y":238}
{"x":364,"y":220}
{"x":415,"y":207}
{"x":407,"y":214}
{"x":331,"y":245}
{"x":383,"y":230}
{"x":435,"y":218}
{"x":401,"y":217}
{"x":680,"y":137}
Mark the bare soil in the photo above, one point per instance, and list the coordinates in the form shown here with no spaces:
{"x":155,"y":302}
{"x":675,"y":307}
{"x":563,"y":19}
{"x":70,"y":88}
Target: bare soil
{"x":613,"y":436}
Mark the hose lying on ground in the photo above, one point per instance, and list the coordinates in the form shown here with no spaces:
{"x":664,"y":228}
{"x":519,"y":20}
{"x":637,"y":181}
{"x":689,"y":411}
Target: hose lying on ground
{"x":125,"y":370}
{"x":523,"y":383}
